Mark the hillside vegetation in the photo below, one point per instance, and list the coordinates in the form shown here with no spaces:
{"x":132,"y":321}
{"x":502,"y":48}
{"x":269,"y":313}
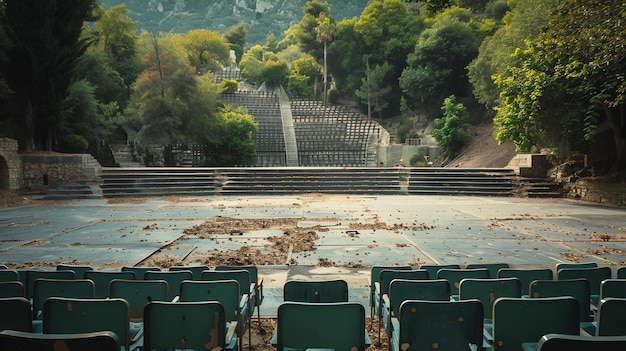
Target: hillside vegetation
{"x":261,"y":17}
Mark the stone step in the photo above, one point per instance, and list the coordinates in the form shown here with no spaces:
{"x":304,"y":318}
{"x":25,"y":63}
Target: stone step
{"x":73,"y":192}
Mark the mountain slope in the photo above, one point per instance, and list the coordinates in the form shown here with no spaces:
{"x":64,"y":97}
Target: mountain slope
{"x":260,"y":16}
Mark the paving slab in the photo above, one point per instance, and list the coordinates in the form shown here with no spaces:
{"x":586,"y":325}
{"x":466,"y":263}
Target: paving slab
{"x":398,"y":229}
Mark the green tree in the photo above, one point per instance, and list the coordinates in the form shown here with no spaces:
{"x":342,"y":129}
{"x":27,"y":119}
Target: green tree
{"x":437,"y":67}
{"x":305,"y":31}
{"x":237,"y":35}
{"x":570,"y":82}
{"x":274,"y":72}
{"x":451,"y":129}
{"x":235,"y":145}
{"x":47,"y":44}
{"x":372,"y":92}
{"x":495,"y":54}
{"x":324,"y":34}
{"x":229,"y":86}
{"x":207,"y":51}
{"x":173,"y":105}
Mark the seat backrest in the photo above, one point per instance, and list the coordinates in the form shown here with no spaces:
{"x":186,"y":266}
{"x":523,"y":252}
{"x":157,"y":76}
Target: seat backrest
{"x":98,"y":341}
{"x":375,"y":274}
{"x":9,"y":275}
{"x":69,"y":315}
{"x":184,"y":326}
{"x":242,"y":276}
{"x":450,"y":325}
{"x":196,"y":270}
{"x":613,"y":288}
{"x":611,"y":317}
{"x":576,"y":288}
{"x":401,"y":290}
{"x":139,"y":271}
{"x":224,"y":291}
{"x":454,"y":276}
{"x":12,"y":289}
{"x":434,"y":268}
{"x":253,"y":270}
{"x":32,"y":275}
{"x":316,"y":290}
{"x":173,"y":279}
{"x":595,"y":276}
{"x":79,"y":271}
{"x":45,"y":288}
{"x":520,"y":320}
{"x":560,"y":342}
{"x":102,"y":279}
{"x":16,"y":314}
{"x":526,"y":276}
{"x":338,"y":326}
{"x":569,"y":265}
{"x":488,"y":290}
{"x":138,"y":293}
{"x":492,"y":267}
{"x":387,"y":275}
{"x":621,"y":273}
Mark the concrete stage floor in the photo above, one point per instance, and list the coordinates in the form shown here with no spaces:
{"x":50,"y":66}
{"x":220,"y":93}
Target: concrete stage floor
{"x":436,"y":229}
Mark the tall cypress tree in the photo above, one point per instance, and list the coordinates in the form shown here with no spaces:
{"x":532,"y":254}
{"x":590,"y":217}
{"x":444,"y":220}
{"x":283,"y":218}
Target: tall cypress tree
{"x":46,"y":38}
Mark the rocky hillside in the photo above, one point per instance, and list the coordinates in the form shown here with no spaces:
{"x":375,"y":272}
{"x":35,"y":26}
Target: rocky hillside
{"x":260,"y":16}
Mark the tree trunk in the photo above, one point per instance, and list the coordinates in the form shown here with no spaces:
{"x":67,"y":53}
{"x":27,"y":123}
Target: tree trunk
{"x":617,"y":120}
{"x":325,"y":74}
{"x":29,"y":133}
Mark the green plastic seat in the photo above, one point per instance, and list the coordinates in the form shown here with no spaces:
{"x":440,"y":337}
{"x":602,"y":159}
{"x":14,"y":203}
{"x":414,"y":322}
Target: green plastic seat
{"x":560,"y":342}
{"x":138,"y":293}
{"x":98,"y":341}
{"x":570,"y":265}
{"x":454,"y":276}
{"x":246,"y":291}
{"x":521,"y":322}
{"x":45,"y":288}
{"x":401,"y":290}
{"x":621,"y":273}
{"x":595,"y":276}
{"x":337,"y":326}
{"x":492,"y":267}
{"x":387,"y":275}
{"x":314,"y":291}
{"x":225,"y":292}
{"x":31,"y":275}
{"x":613,"y":288}
{"x":9,"y":275}
{"x":576,"y":288}
{"x":375,"y":278}
{"x":70,"y":315}
{"x":102,"y":279}
{"x":611,"y":317}
{"x":526,"y":276}
{"x":186,"y":326}
{"x":16,"y":314}
{"x":12,"y":289}
{"x":140,"y":272}
{"x":488,"y":290}
{"x":196,"y":270}
{"x":79,"y":270}
{"x":257,"y":285}
{"x":173,"y":279}
{"x":437,"y":325}
{"x":434,"y":268}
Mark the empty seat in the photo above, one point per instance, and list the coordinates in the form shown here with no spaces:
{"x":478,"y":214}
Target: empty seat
{"x":98,"y":341}
{"x":102,"y":279}
{"x":445,"y":325}
{"x":16,"y":314}
{"x":79,"y":270}
{"x":561,"y":342}
{"x":139,"y":271}
{"x":316,"y":291}
{"x":526,"y":276}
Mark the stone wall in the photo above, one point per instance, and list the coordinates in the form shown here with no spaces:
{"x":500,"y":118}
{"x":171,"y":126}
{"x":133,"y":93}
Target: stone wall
{"x":613,"y":194}
{"x":39,"y":171}
{"x":42,"y":171}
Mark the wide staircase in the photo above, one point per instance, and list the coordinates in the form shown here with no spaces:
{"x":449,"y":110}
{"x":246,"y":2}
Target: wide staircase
{"x":120,"y":182}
